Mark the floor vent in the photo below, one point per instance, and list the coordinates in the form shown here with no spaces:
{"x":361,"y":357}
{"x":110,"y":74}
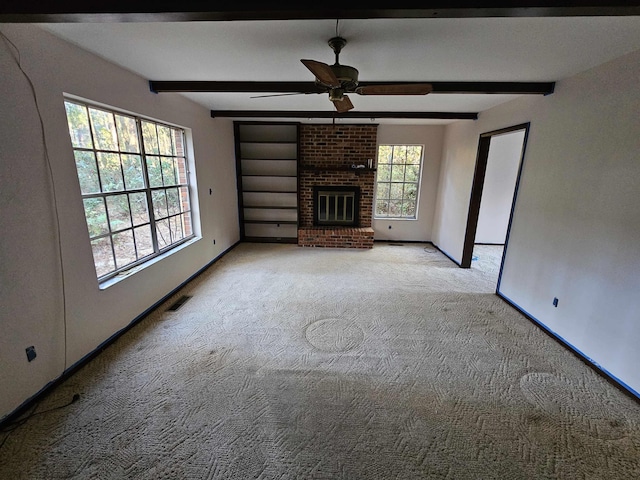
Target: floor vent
{"x":178,"y":303}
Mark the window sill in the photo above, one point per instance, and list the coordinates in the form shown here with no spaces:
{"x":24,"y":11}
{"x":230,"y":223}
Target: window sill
{"x":128,"y":273}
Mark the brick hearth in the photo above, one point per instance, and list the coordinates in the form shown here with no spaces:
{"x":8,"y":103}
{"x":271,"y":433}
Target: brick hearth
{"x":327,"y":153}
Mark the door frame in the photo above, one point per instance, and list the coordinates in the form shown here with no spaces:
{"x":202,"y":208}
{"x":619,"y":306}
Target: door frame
{"x":482,"y":158}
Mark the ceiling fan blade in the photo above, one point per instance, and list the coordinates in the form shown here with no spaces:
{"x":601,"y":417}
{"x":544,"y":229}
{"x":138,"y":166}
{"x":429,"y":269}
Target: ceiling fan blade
{"x":322,"y":72}
{"x":399,"y":89}
{"x":280,"y":94}
{"x":343,"y":105}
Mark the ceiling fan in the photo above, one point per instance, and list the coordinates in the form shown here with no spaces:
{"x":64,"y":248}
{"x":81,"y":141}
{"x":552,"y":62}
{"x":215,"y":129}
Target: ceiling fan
{"x":337,"y":80}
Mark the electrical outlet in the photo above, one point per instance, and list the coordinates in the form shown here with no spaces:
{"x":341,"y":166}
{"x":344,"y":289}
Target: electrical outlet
{"x":31,"y":352}
{"x":555,"y":302}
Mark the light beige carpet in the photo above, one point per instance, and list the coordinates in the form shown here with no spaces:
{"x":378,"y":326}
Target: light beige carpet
{"x":294,"y":363}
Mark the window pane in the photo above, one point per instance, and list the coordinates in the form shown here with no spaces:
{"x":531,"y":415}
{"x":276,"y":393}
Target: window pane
{"x":384,"y":173}
{"x":382,"y":191}
{"x":127,"y":134}
{"x":155,"y":172}
{"x":178,"y":140}
{"x":411,"y":173}
{"x":173,"y":201}
{"x":399,"y":154}
{"x":150,"y":138}
{"x":397,"y":173}
{"x":144,"y":242}
{"x":103,"y":256}
{"x":125,"y":248}
{"x":118,"y":208}
{"x":411,"y":191}
{"x":414,"y":154}
{"x":182,"y":170}
{"x":184,"y":199}
{"x":395,"y":208}
{"x":139,"y":212}
{"x":164,"y":140}
{"x":159,"y":200}
{"x":87,"y":171}
{"x":382,"y":208}
{"x":396,"y":191}
{"x":384,"y":154}
{"x":186,"y":224}
{"x":168,"y":171}
{"x":96,"y":215}
{"x":133,"y":175}
{"x":110,"y":172}
{"x":163,"y":233}
{"x":176,"y":228}
{"x":78,"y":121}
{"x":104,"y":130}
{"x":409,"y":208}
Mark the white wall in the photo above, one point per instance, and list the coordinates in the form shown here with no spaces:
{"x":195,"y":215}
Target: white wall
{"x":431,"y":136}
{"x":500,"y":178}
{"x":30,"y":273}
{"x":577,"y":216}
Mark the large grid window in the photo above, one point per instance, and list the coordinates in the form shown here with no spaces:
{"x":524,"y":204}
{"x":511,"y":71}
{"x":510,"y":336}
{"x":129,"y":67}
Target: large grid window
{"x":398,"y":181}
{"x":134,"y":183}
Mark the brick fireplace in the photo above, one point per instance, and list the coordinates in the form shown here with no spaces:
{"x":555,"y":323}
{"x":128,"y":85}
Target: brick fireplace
{"x":328,"y":155}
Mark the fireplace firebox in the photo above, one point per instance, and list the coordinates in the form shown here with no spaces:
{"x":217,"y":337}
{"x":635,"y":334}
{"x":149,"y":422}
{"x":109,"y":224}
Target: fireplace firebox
{"x":336,"y":205}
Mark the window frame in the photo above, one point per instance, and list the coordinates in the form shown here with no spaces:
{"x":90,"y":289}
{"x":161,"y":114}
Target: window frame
{"x":184,"y":214}
{"x":404,"y":182}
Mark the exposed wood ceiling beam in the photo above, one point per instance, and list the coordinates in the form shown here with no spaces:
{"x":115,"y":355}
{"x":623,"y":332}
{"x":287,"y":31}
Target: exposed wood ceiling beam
{"x":350,"y":114}
{"x":506,"y":88}
{"x":26,"y":11}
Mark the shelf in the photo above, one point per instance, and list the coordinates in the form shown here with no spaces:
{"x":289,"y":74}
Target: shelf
{"x":278,"y":207}
{"x":268,"y":175}
{"x":271,"y":239}
{"x":263,"y":159}
{"x":267,"y":170}
{"x":269,"y":191}
{"x":346,"y":168}
{"x":268,"y":141}
{"x":274,"y":222}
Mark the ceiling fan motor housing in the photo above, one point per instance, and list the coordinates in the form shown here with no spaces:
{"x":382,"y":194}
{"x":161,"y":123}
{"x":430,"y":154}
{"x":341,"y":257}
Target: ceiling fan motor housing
{"x":347,"y":75}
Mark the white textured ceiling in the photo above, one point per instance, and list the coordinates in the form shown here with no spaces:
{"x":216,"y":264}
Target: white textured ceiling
{"x":447,"y":49}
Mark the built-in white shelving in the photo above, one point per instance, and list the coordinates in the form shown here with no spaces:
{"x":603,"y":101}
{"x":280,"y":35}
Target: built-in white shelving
{"x":267,"y":168}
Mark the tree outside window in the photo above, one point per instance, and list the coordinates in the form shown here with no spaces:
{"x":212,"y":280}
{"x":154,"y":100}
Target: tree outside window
{"x":398,"y":181}
{"x":134,"y":183}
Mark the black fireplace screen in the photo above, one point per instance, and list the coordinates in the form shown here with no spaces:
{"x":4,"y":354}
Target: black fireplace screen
{"x":336,"y":205}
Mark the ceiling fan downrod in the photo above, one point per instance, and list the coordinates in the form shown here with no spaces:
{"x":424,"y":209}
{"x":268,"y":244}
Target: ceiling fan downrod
{"x":337,"y":44}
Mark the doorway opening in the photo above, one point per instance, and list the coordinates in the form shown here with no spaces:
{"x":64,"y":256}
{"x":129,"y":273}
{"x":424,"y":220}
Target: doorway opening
{"x":493,"y":194}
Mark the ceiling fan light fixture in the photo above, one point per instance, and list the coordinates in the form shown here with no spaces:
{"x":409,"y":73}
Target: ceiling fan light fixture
{"x":336,"y":94}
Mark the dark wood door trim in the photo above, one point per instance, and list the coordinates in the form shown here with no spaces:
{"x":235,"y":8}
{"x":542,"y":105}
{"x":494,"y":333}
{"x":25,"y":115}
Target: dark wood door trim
{"x":482,"y":157}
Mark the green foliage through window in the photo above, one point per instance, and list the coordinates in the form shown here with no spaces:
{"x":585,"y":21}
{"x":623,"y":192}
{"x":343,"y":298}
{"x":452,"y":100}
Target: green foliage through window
{"x":398,"y":181}
{"x":134,"y":183}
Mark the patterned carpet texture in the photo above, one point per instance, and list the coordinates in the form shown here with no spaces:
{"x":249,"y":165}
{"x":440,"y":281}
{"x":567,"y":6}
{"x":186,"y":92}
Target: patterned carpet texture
{"x":303,"y":363}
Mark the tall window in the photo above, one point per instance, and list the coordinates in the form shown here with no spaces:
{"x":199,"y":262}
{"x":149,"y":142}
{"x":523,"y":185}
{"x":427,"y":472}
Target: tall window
{"x":398,"y":181}
{"x":134,"y":183}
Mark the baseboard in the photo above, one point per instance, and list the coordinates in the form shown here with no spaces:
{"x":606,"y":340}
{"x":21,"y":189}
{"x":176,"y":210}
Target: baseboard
{"x":603,"y":372}
{"x":446,"y":255}
{"x":401,"y":241}
{"x":44,"y":391}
